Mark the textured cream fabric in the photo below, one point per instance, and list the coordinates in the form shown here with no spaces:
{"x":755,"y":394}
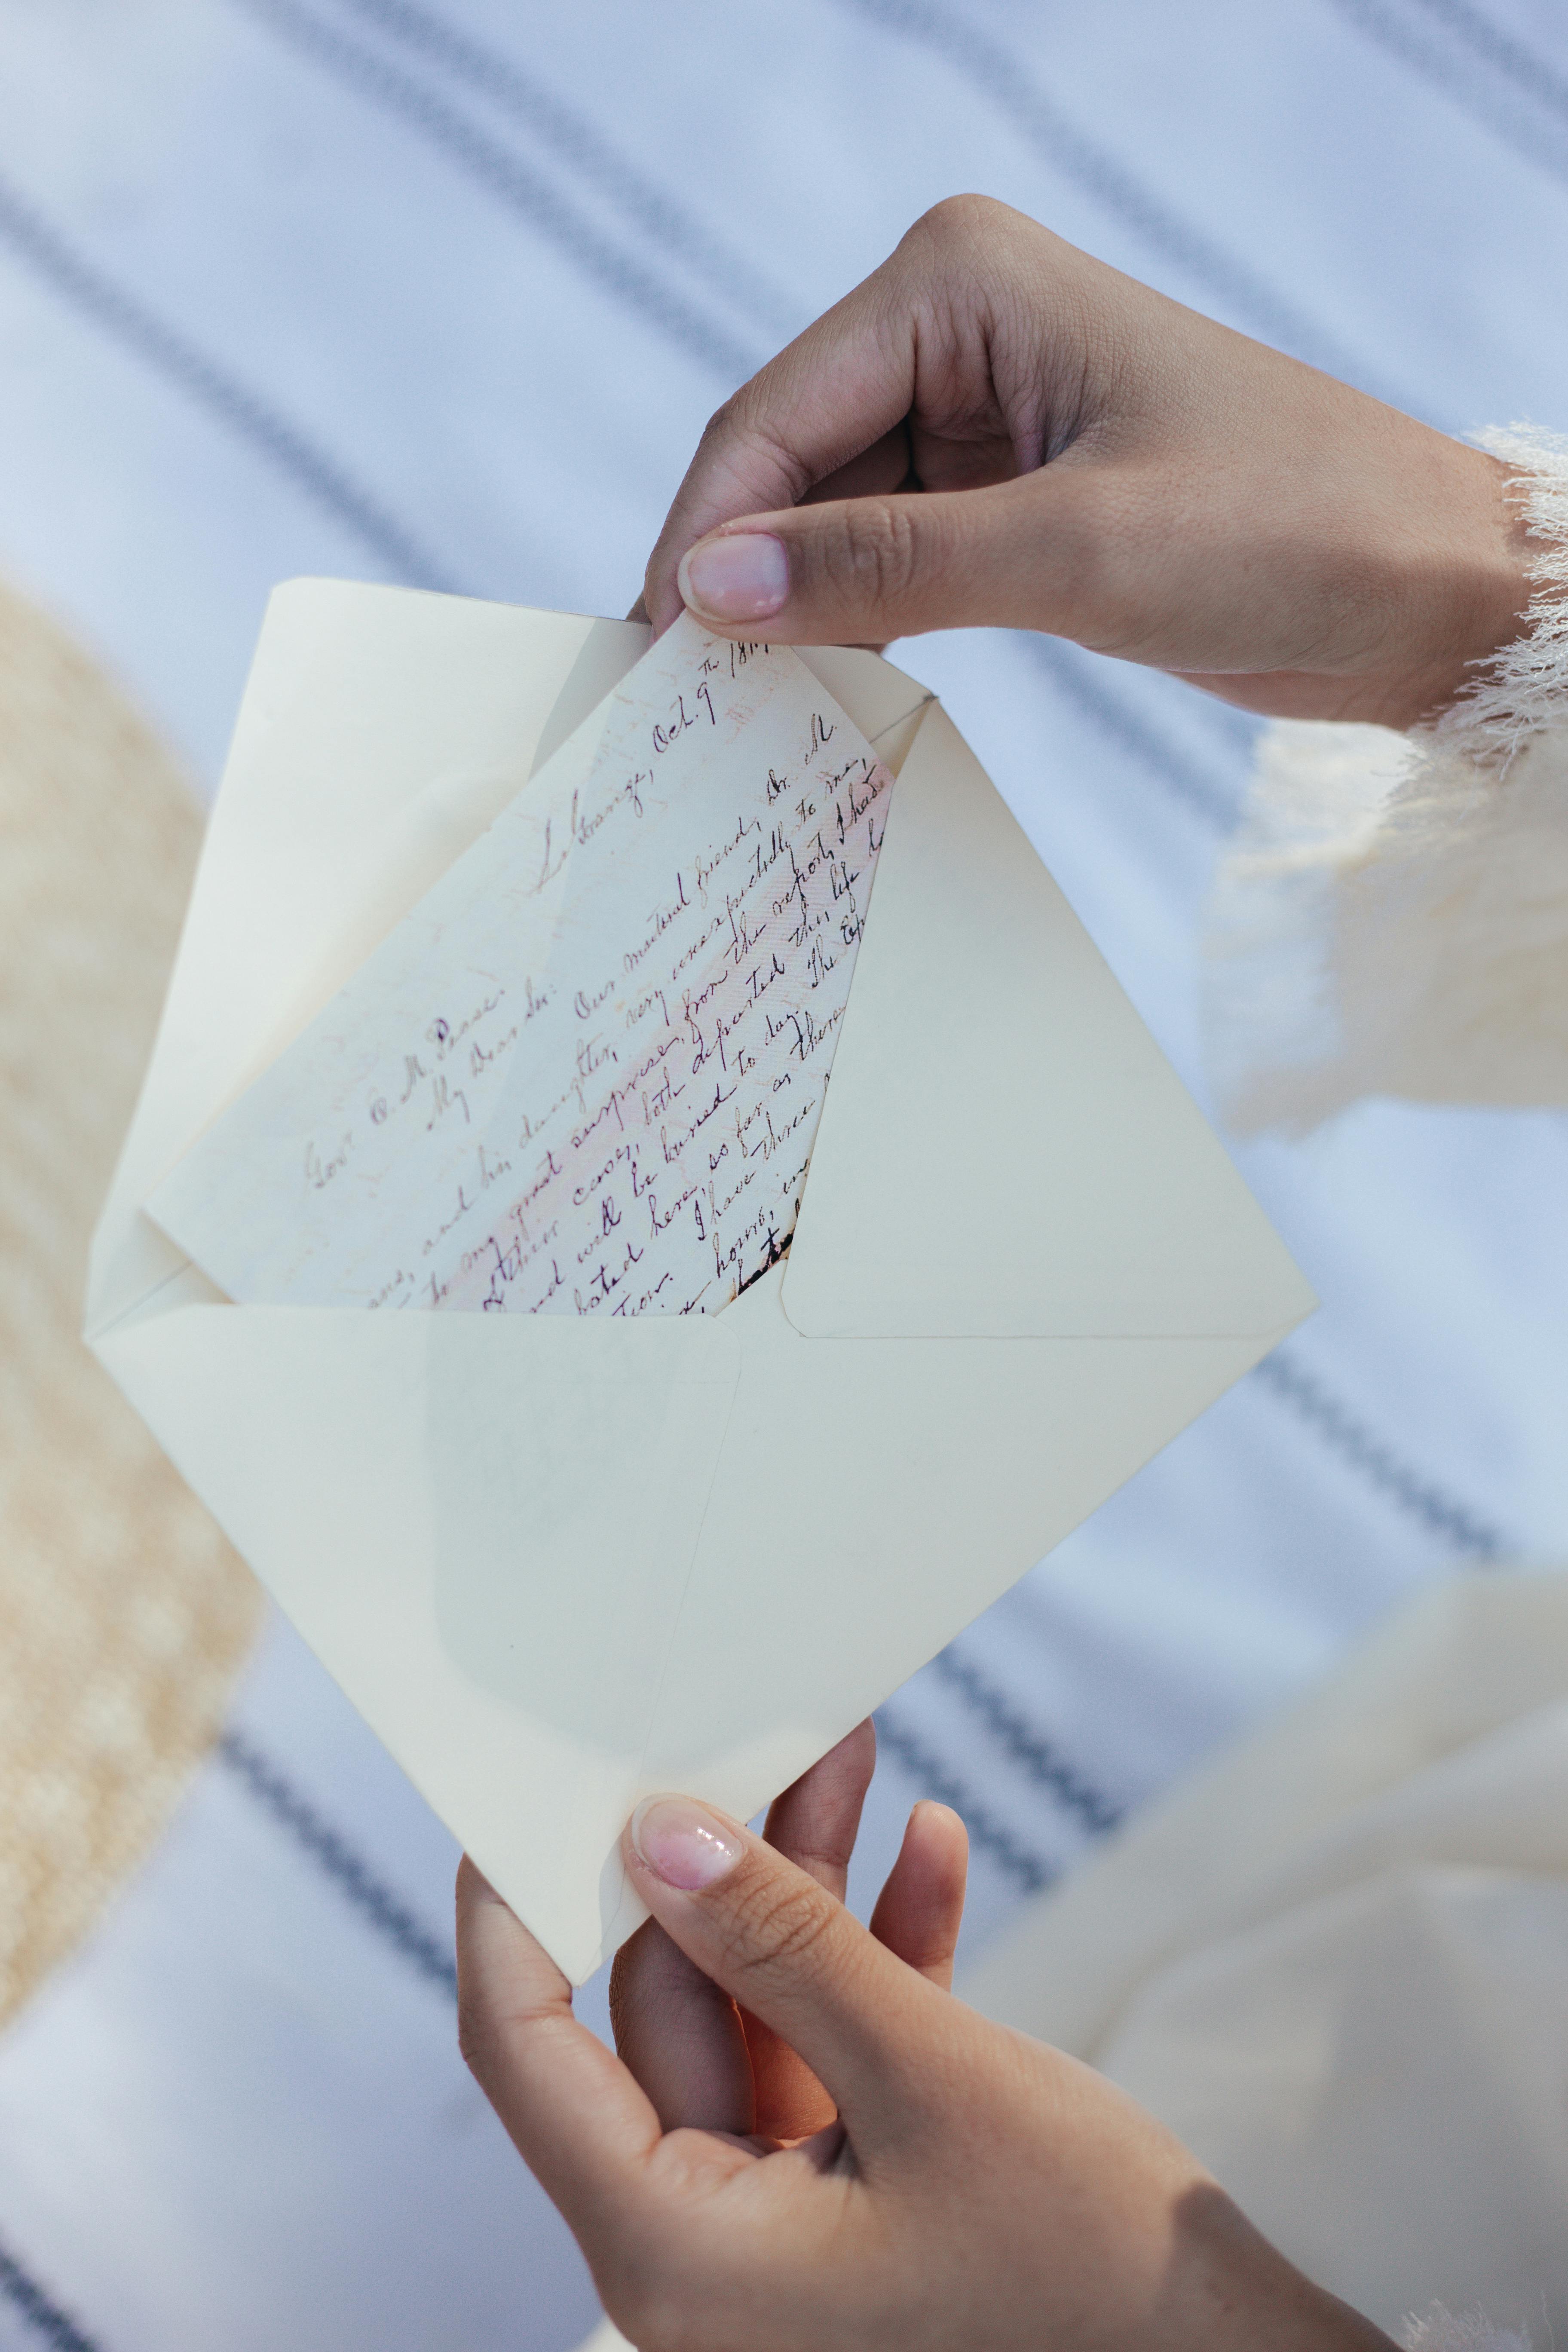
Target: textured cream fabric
{"x":1389,"y":922}
{"x":123,"y":1614}
{"x":1336,"y":1964}
{"x":1393,"y":916}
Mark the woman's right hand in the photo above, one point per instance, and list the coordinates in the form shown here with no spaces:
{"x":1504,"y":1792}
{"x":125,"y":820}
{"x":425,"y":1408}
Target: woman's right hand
{"x":806,"y":2141}
{"x":996,"y":429}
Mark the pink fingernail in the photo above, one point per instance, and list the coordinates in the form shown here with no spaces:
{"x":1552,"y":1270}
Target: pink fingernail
{"x":744,"y":577}
{"x":683,"y":1844}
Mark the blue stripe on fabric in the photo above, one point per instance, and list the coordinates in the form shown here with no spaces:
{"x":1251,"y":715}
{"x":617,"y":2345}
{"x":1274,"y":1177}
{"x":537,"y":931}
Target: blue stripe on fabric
{"x":1078,"y":677}
{"x":1007,"y":82}
{"x":1444,"y":1514}
{"x":272,"y":1790}
{"x":42,"y":2313}
{"x":519,"y":186}
{"x":1024,"y":1746}
{"x":348,"y":1870}
{"x":132,"y":323}
{"x":1495,"y":110}
{"x":1525,"y":67}
{"x":927,"y":1770}
{"x":576,"y":139}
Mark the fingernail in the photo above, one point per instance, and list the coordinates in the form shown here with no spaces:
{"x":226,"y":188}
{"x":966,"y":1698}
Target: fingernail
{"x":744,"y":577}
{"x":683,"y":1844}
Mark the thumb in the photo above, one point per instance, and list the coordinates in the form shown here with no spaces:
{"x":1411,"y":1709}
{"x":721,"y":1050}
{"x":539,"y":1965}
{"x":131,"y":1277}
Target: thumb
{"x":786,"y":1950}
{"x":1018,"y":554}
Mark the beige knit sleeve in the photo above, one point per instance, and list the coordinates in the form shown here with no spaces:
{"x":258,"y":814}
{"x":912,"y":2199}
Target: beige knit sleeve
{"x":1392,"y":916}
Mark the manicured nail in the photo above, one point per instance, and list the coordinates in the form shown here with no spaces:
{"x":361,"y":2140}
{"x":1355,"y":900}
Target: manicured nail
{"x":744,"y":577}
{"x":683,"y":1844}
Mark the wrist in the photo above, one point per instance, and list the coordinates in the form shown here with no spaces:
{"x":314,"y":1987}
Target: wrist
{"x":1470,"y":593}
{"x":1234,"y":2290}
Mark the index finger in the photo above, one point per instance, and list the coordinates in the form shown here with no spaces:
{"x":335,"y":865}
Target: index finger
{"x":814,"y":1825}
{"x":575,"y":2114}
{"x":837,"y":390}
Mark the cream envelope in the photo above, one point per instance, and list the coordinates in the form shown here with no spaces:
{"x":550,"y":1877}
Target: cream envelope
{"x":558,"y":1564}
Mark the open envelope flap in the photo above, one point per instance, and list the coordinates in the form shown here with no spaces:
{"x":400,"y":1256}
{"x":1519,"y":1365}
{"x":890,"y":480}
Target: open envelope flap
{"x":483,"y":1527}
{"x":1067,"y":1182}
{"x":380,"y":730}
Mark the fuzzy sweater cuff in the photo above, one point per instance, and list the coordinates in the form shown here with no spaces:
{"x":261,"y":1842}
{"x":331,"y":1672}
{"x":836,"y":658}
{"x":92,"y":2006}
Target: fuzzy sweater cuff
{"x":1441,"y":2331}
{"x":1392,"y":916}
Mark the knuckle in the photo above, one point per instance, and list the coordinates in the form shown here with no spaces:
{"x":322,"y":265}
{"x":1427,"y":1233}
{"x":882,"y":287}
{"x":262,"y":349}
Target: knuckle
{"x":957,"y":221}
{"x":721,"y":423}
{"x":748,"y":453}
{"x":875,"y":558}
{"x":728,"y":430}
{"x":494,"y":2026}
{"x":776,"y":1926}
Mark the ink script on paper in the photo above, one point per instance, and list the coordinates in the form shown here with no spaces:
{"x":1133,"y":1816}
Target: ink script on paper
{"x":583,"y":1075}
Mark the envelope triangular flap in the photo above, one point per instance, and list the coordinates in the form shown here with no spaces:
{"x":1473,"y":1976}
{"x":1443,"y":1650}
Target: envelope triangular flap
{"x":1004,"y":1149}
{"x":380,"y":730}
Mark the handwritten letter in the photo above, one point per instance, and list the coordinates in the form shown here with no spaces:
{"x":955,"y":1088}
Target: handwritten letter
{"x":584,"y":1075}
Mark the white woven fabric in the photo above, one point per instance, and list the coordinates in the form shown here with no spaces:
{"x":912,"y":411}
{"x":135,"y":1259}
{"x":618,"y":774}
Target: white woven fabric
{"x":1392,"y":918}
{"x":239,"y":2117}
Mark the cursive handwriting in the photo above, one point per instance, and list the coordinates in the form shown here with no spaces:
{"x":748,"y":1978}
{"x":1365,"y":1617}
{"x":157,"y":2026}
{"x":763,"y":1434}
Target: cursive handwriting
{"x":589,"y":1067}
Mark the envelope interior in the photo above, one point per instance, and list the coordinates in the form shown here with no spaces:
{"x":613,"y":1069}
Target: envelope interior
{"x":558,"y":1563}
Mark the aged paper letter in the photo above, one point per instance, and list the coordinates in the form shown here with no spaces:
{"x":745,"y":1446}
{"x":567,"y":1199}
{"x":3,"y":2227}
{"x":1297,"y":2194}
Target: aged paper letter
{"x":584,"y":1073}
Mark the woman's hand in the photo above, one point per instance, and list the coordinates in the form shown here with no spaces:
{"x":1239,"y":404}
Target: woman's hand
{"x":995,"y":429}
{"x":807,"y":2142}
